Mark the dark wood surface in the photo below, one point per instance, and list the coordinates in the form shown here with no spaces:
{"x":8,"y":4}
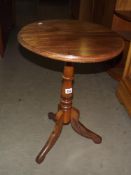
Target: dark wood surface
{"x":7,"y":22}
{"x":97,"y":11}
{"x":1,"y":44}
{"x":126,"y":15}
{"x":121,"y":23}
{"x":71,"y":41}
{"x":103,"y":12}
{"x":126,"y":35}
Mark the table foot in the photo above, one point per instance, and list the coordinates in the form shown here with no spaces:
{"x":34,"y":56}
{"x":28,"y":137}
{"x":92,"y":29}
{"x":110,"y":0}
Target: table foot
{"x":52,"y":116}
{"x":81,"y":129}
{"x":51,"y":141}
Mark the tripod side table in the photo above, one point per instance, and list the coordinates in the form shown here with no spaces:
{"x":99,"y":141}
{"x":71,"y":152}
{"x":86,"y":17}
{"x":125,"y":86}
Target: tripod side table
{"x":69,"y":41}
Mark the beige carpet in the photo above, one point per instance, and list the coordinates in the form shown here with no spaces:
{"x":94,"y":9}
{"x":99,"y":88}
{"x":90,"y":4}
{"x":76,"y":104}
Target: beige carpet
{"x":29,"y":89}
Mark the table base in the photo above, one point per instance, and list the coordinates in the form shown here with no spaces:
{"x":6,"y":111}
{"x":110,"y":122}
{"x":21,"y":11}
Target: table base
{"x":66,"y":114}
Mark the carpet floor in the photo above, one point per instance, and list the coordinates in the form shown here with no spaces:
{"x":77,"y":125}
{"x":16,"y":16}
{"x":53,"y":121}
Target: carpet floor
{"x":29,"y":89}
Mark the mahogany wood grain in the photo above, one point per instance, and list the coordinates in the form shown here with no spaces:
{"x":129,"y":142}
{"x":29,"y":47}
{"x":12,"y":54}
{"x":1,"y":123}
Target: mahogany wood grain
{"x":71,"y":41}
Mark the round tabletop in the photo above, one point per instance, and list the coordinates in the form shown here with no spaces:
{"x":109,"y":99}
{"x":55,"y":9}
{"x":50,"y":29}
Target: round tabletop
{"x":71,"y":41}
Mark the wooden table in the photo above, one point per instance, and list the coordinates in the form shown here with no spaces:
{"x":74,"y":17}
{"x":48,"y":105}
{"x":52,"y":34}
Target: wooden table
{"x":69,"y":41}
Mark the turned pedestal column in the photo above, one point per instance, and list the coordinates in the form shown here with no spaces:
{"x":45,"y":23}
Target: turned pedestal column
{"x":66,"y":114}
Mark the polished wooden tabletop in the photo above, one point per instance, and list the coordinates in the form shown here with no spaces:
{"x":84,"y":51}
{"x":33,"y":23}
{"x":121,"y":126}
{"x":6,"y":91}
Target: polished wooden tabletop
{"x":71,"y":41}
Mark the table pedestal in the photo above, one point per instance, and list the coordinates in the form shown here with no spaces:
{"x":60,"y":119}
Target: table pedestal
{"x":66,"y":114}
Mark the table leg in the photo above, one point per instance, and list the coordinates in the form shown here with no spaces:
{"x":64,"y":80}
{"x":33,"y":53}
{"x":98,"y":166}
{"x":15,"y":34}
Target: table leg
{"x":52,"y":139}
{"x":52,"y":116}
{"x":81,"y":129}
